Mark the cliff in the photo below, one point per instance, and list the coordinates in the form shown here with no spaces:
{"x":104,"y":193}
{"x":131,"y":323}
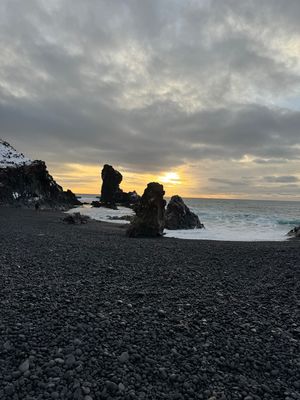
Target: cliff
{"x":25,"y":182}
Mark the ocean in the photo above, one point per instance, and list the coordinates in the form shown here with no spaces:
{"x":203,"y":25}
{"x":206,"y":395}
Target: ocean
{"x":231,"y":220}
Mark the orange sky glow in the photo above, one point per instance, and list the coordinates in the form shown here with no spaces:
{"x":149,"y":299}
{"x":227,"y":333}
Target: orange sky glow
{"x":85,"y":179}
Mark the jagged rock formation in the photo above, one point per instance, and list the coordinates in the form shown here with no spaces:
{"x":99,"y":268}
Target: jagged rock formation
{"x":111,"y":193}
{"x":25,"y":182}
{"x":111,"y":180}
{"x":179,"y":216}
{"x":149,"y":220}
{"x":294,"y":233}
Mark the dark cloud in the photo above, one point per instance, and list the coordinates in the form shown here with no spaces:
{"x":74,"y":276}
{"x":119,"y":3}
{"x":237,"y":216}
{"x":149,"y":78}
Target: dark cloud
{"x":152,"y":85}
{"x":281,"y":179}
{"x":270,"y":161}
{"x":230,"y":182}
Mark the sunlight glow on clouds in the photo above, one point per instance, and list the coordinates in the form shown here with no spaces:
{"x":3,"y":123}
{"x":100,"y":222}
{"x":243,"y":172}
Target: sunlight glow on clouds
{"x":170,"y":177}
{"x":208,"y":90}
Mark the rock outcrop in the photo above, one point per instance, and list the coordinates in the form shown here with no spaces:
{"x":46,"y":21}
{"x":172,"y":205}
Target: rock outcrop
{"x":294,"y":233}
{"x":179,"y":216}
{"x":111,"y":179}
{"x":111,"y":193}
{"x":76,"y":219}
{"x":149,"y":220}
{"x":96,"y":204}
{"x":127,"y":198}
{"x":25,"y":182}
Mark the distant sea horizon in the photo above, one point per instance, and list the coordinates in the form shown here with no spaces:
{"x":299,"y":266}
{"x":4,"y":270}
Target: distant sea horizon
{"x":97,"y":195}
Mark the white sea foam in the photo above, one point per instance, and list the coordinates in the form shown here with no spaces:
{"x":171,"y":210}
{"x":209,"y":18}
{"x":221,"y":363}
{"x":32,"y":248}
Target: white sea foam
{"x":235,"y":234}
{"x":103,"y":214}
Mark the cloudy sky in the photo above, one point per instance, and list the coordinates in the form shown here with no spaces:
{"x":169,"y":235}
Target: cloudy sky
{"x":203,"y":95}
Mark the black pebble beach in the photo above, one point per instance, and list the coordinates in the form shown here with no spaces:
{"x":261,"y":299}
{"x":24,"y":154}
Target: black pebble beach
{"x":87,"y":313}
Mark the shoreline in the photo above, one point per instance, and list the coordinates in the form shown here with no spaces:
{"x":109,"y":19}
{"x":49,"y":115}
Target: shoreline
{"x":100,"y":315}
{"x":122,"y":225}
{"x":103,"y":214}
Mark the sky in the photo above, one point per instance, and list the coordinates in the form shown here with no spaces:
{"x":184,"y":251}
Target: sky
{"x":201,"y":95}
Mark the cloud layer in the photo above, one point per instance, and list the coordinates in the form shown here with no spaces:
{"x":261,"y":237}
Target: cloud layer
{"x":157,"y":85}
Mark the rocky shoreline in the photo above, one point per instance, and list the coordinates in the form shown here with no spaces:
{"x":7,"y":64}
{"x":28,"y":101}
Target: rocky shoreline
{"x":87,"y":313}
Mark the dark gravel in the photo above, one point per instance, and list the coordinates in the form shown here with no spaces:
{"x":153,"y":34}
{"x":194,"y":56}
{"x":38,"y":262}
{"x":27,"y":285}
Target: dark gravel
{"x":87,"y":313}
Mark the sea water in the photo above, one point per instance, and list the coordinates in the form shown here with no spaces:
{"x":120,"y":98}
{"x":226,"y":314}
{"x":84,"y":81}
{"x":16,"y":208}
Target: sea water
{"x":242,"y":220}
{"x":232,"y":220}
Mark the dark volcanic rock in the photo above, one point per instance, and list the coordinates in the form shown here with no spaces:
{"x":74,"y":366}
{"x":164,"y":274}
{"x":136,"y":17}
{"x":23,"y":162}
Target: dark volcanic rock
{"x":31,"y":183}
{"x":110,"y":186}
{"x":111,"y":193}
{"x":76,"y":218}
{"x":96,"y":204}
{"x":294,"y":233}
{"x":150,"y":213}
{"x":127,"y":199}
{"x":179,"y":216}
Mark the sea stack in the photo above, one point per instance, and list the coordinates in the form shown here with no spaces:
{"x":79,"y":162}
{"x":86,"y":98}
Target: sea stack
{"x":24,"y":182}
{"x":179,"y":216}
{"x":150,"y":213}
{"x":111,"y":179}
{"x":111,"y":193}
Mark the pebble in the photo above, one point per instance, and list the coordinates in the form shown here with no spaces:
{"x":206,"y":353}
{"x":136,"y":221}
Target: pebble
{"x":7,"y":346}
{"x":86,"y":390}
{"x":111,"y":386}
{"x":163,"y":372}
{"x":16,"y":374}
{"x":124,"y":357}
{"x":24,"y":366}
{"x":77,"y":395}
{"x":274,"y":372}
{"x":70,"y":360}
{"x":9,"y":389}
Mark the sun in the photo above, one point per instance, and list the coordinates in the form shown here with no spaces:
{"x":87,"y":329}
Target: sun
{"x":170,"y":177}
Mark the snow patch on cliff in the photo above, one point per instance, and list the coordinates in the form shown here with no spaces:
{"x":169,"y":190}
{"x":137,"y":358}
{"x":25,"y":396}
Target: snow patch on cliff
{"x":10,"y":157}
